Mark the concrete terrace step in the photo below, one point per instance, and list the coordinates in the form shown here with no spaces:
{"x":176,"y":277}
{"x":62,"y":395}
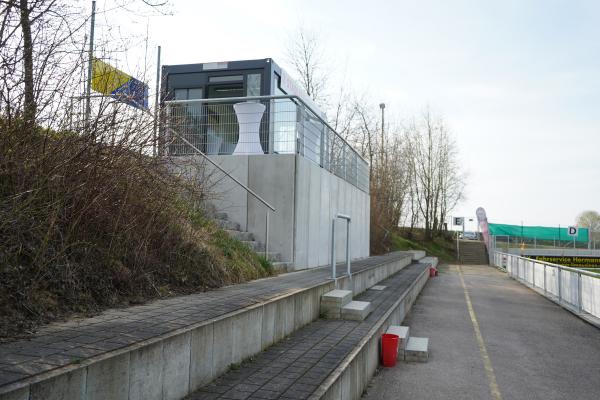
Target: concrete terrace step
{"x":403,"y":333}
{"x":220,"y":215}
{"x":172,"y":347}
{"x":356,"y":310}
{"x":432,"y":261}
{"x":240,"y":235}
{"x":227,"y":225}
{"x":254,"y":245}
{"x":417,"y":349}
{"x":333,"y":301}
{"x":329,"y":359}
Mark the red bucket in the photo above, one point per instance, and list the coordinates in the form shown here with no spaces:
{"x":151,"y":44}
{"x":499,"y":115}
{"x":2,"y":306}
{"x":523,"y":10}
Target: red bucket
{"x":389,"y":349}
{"x":432,"y":272}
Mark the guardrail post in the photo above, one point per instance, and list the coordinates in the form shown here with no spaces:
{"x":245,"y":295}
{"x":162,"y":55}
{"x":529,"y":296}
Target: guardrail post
{"x":579,"y":294}
{"x":545,"y":290}
{"x":348,"y":267}
{"x":333,"y":274}
{"x":348,"y":249}
{"x":559,"y":286}
{"x":267,"y":235}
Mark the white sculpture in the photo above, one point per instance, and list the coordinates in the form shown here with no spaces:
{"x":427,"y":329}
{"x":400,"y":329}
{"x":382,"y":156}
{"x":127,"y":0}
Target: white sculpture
{"x":249,"y":115}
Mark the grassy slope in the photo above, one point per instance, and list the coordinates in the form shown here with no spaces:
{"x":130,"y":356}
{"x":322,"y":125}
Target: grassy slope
{"x":86,"y":226}
{"x":440,"y":247}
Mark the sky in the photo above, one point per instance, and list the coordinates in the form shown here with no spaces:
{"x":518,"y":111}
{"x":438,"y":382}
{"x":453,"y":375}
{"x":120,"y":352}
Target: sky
{"x":517,"y":82}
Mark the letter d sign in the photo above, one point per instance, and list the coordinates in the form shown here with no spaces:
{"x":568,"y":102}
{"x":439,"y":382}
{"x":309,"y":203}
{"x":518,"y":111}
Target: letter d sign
{"x":572,"y":231}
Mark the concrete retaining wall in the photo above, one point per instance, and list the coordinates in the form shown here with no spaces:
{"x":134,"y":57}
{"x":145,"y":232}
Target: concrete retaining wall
{"x":306,"y":198}
{"x":350,"y":379}
{"x":173,"y":365}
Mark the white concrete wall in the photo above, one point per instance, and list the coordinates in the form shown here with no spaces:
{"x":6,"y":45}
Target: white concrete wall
{"x":320,"y":196}
{"x":306,"y":198}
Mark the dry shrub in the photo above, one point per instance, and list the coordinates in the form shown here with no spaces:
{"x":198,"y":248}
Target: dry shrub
{"x":87,"y":224}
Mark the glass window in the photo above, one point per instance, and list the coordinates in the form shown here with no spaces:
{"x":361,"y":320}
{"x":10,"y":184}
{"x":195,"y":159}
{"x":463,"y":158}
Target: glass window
{"x":181,"y":94}
{"x":228,"y":78}
{"x":194,"y":94}
{"x":231,"y":90}
{"x":253,"y":85}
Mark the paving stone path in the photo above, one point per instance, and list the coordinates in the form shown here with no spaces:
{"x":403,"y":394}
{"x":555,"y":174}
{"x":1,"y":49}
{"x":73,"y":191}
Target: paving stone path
{"x":60,"y":344}
{"x":297,"y":365}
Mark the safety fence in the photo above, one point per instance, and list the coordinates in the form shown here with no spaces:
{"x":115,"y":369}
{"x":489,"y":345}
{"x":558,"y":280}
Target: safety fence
{"x":260,"y":125}
{"x":573,"y":288}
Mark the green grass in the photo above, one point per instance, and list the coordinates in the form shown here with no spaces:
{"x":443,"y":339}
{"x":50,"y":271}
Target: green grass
{"x":438,"y":247}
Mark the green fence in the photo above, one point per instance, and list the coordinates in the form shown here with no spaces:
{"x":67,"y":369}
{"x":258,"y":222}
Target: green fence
{"x":538,"y":232}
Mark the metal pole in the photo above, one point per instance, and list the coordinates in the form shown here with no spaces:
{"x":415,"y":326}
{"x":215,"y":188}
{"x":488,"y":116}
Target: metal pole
{"x":382,"y":106}
{"x":559,"y":286}
{"x":545,"y":290}
{"x":348,"y":249}
{"x":267,"y":235}
{"x":88,"y":89}
{"x":156,"y":105}
{"x":457,"y":248}
{"x":579,"y":294}
{"x":333,"y":274}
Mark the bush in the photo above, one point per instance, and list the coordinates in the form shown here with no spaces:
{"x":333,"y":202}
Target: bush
{"x":87,"y":224}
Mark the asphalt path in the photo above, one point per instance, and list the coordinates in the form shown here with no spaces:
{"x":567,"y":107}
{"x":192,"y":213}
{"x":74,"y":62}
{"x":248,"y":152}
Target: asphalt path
{"x":493,"y":338}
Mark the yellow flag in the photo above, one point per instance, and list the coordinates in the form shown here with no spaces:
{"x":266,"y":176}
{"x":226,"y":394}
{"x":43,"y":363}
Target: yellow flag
{"x":106,"y":78}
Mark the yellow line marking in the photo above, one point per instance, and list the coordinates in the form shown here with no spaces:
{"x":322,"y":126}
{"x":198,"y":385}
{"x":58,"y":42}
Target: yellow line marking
{"x":487,"y":363}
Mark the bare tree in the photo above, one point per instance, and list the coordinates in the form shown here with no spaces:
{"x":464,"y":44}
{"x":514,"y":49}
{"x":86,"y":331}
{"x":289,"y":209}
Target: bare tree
{"x":437,"y":182}
{"x":306,"y":55}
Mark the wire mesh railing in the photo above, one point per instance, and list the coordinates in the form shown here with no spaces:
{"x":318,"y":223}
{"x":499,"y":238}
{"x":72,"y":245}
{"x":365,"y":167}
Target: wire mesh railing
{"x":260,"y":125}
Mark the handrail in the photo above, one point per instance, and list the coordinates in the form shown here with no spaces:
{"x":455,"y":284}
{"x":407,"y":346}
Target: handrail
{"x":274,"y":97}
{"x":333,"y":261}
{"x":570,"y":269}
{"x":207,"y":158}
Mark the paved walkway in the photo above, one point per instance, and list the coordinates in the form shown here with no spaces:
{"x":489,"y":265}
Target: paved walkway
{"x":296,"y":366}
{"x":510,"y":344}
{"x":60,"y":344}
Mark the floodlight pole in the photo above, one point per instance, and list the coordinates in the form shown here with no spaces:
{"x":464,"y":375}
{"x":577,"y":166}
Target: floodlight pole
{"x":88,"y":88}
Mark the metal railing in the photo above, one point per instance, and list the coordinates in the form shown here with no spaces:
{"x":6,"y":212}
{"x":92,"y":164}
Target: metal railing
{"x":506,"y":241}
{"x":348,"y":219}
{"x":172,"y":131}
{"x":261,"y":125}
{"x":571,"y":287}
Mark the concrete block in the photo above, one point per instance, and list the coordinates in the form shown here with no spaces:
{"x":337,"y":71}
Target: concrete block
{"x":284,"y":318}
{"x":222,"y":348}
{"x":432,"y":261}
{"x":19,"y":394}
{"x":417,"y":349}
{"x":303,"y":308}
{"x":402,"y":332}
{"x":66,"y":386}
{"x":346,"y":385}
{"x":176,"y":366}
{"x":337,"y":297}
{"x":378,"y":287}
{"x":334,"y":392}
{"x":356,"y":310}
{"x":246,"y":334}
{"x":108,"y":379}
{"x":268,"y":325}
{"x":417,"y":254}
{"x":201,"y":357}
{"x":145,"y":373}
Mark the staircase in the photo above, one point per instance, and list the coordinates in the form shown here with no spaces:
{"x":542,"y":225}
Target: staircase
{"x":234,"y":230}
{"x":473,"y":252}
